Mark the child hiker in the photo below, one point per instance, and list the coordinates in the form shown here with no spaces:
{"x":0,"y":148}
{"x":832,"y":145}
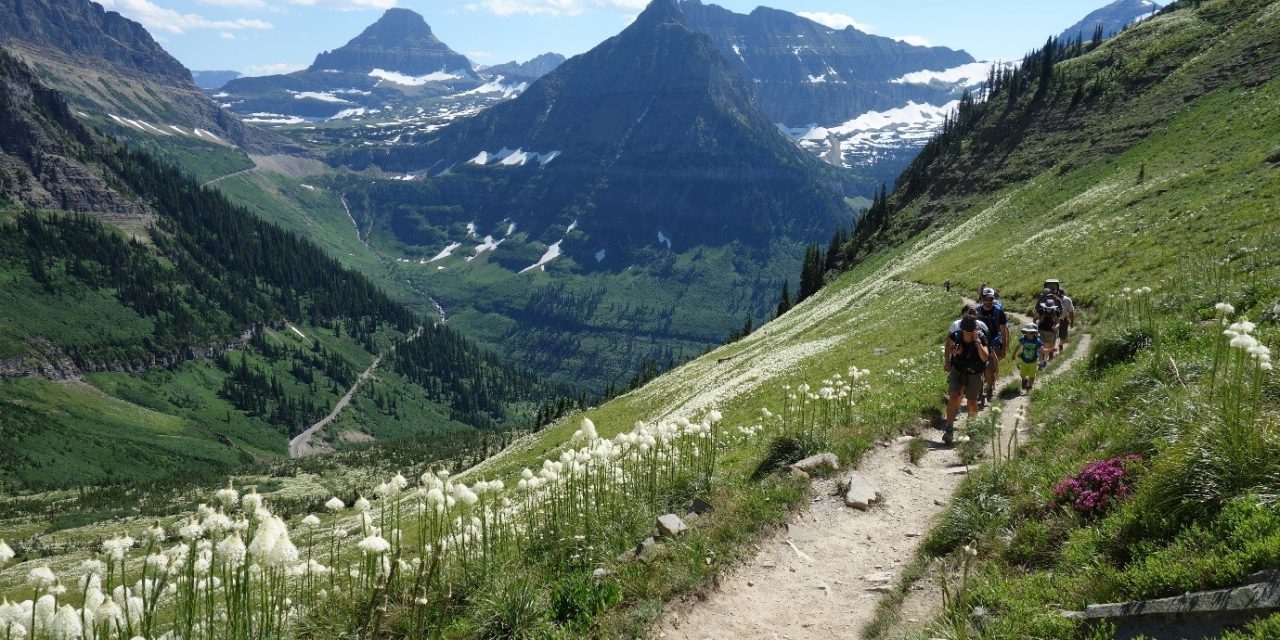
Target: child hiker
{"x":1029,"y":348}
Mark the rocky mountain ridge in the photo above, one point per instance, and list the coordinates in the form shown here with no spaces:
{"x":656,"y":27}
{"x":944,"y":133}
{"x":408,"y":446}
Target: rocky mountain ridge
{"x":107,"y":65}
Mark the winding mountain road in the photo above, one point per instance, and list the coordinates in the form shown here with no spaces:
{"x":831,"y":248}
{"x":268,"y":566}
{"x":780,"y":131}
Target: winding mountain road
{"x":301,"y":446}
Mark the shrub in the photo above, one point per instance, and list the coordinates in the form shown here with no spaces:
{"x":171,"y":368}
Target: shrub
{"x":782,"y":451}
{"x":1098,"y":486}
{"x":514,"y":610}
{"x":579,"y":597}
{"x":1111,"y":350}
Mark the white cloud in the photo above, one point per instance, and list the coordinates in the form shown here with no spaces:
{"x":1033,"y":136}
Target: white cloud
{"x":227,"y":35}
{"x":154,"y":16}
{"x":835,"y":20}
{"x":271,"y":69}
{"x":917,"y":41}
{"x":550,"y":7}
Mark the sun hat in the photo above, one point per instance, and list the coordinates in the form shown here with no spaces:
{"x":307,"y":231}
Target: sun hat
{"x":1030,"y":327}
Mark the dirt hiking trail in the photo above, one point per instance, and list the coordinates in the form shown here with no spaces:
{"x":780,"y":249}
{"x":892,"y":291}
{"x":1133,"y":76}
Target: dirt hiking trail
{"x":823,"y":576}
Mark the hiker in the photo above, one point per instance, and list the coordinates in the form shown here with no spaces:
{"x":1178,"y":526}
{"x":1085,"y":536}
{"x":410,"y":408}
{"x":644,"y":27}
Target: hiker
{"x":968,"y":311}
{"x":965,"y":364}
{"x":991,"y":313}
{"x":1029,"y":347}
{"x":1047,"y":317}
{"x":947,"y":285}
{"x":1068,"y":319}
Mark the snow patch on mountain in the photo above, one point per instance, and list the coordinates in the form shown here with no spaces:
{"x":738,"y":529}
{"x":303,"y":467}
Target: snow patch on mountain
{"x":496,"y":86}
{"x":405,"y":80}
{"x":263,"y":117}
{"x":488,"y":244}
{"x":966,"y":75}
{"x":862,"y":140}
{"x":552,"y":253}
{"x":513,"y":157}
{"x":446,"y":252}
{"x":323,"y":96}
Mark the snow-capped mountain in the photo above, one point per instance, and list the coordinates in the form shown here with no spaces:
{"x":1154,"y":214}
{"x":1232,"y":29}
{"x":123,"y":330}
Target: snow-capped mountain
{"x":395,"y":71}
{"x":855,"y":99}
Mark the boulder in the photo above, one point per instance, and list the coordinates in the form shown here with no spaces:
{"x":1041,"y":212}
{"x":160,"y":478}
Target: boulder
{"x":700,"y":507}
{"x":818,"y":463}
{"x":859,"y":491}
{"x":670,"y":525}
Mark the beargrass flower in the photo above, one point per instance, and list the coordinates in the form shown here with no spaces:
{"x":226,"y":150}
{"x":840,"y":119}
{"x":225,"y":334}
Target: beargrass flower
{"x":232,"y":550}
{"x":362,"y":504}
{"x":334,"y":504}
{"x":374,"y":544}
{"x":311,"y":520}
{"x":6,"y":553}
{"x":41,"y":578}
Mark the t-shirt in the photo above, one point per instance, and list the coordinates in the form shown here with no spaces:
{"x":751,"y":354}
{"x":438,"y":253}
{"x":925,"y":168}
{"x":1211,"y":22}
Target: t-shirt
{"x":1029,"y":348}
{"x":1067,"y":305}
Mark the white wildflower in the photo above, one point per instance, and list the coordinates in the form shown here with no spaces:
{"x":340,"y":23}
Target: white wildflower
{"x":311,"y":520}
{"x":375,"y":544}
{"x":41,"y":578}
{"x":362,"y":504}
{"x":334,"y":504}
{"x":232,"y":550}
{"x":6,"y":553}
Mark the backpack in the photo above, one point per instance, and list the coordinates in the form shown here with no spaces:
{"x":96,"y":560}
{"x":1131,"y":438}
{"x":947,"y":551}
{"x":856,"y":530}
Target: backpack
{"x":968,"y":362}
{"x":994,"y":318}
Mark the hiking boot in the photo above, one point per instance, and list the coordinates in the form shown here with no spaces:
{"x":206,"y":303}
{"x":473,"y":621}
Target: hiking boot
{"x":947,"y":435}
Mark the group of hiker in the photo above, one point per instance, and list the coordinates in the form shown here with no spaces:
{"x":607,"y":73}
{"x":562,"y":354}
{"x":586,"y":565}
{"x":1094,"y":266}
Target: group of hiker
{"x":979,"y":340}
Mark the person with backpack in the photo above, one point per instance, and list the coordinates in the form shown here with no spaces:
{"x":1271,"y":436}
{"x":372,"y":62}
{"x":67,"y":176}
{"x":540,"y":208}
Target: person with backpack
{"x":990,"y":312}
{"x":966,"y":364}
{"x":1047,"y":317}
{"x":969,"y":311}
{"x":1068,"y":319}
{"x":1029,"y":351}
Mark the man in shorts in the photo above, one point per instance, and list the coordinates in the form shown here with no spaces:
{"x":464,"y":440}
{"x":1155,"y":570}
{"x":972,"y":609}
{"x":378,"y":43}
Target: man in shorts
{"x":1029,"y":348}
{"x":966,"y":364}
{"x":1047,"y":323}
{"x":1067,"y":320}
{"x":990,"y":312}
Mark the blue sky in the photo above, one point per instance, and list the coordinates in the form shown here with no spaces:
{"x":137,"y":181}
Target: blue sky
{"x":261,"y":36}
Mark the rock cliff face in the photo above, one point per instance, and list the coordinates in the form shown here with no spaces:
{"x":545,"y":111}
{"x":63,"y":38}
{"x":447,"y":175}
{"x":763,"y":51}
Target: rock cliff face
{"x":804,"y":73}
{"x":400,"y":41}
{"x":650,"y":130}
{"x":1113,"y":18}
{"x":38,"y":165}
{"x":106,"y":64}
{"x":530,"y":69}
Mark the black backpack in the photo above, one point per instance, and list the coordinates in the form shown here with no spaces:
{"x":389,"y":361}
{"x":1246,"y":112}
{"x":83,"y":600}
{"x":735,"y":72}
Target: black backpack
{"x":968,"y":361}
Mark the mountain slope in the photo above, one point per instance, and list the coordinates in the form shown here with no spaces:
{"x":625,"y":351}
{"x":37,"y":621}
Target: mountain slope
{"x":1112,"y":18}
{"x":641,"y":176}
{"x":107,"y":65}
{"x":171,"y":330}
{"x":531,"y":69}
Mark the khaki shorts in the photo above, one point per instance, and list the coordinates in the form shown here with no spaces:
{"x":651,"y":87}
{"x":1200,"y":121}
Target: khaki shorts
{"x":1050,"y":338}
{"x":969,"y":383}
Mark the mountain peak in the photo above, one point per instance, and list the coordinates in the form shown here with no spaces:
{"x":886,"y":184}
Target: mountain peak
{"x":400,"y":41}
{"x":660,"y":11}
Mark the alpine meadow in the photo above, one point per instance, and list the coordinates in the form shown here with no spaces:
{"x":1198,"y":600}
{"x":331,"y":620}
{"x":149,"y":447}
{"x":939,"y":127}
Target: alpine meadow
{"x":730,"y":324}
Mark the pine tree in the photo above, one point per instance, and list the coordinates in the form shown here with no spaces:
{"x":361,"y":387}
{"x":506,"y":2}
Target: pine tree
{"x":784,"y":303}
{"x":811,"y":275}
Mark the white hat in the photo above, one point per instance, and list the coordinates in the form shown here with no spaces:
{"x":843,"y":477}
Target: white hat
{"x":989,"y":292}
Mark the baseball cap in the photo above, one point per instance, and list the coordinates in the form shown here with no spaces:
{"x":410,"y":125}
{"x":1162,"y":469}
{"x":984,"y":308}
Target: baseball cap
{"x":968,"y":324}
{"x":989,"y":292}
{"x":1030,"y":327}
